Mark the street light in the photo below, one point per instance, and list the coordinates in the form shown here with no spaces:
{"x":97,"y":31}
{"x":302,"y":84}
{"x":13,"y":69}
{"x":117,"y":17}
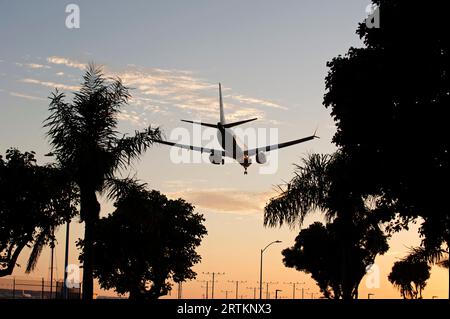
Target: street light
{"x":276,"y":293}
{"x":261,"y":266}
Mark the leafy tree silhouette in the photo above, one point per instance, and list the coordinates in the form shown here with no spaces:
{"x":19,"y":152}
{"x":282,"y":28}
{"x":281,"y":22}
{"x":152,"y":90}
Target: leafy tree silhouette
{"x":410,"y":277}
{"x":317,"y":251}
{"x":389,"y":100}
{"x":87,"y":145}
{"x":146,"y":241}
{"x":34,"y":200}
{"x":322,"y":184}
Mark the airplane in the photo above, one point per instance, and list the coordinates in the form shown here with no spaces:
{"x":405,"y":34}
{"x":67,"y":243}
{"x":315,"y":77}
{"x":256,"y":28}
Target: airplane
{"x":232,"y":147}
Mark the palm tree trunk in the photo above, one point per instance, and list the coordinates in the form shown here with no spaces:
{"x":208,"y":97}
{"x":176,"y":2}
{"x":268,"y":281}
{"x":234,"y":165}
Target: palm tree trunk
{"x":89,"y":211}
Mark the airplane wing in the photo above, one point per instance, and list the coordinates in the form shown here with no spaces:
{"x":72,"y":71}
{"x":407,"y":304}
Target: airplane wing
{"x":269,"y":148}
{"x":191,"y":147}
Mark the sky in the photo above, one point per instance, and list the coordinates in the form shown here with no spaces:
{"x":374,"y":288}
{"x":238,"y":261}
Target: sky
{"x":270,"y":57}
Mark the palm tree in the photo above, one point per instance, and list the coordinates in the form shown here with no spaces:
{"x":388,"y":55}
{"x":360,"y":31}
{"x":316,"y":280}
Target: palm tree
{"x":322,"y":183}
{"x":86,"y":143}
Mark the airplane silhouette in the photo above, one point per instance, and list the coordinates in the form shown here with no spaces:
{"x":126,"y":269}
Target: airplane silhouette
{"x":231,"y":146}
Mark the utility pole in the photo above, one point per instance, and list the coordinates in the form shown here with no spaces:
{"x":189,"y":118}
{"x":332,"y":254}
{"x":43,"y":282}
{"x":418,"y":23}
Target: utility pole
{"x":206,"y":287}
{"x":213,"y":274}
{"x":254,"y":291}
{"x":293,"y":286}
{"x":52,"y":247}
{"x":303,"y":292}
{"x":237,"y":282}
{"x":267,"y":288}
{"x":226,"y":293}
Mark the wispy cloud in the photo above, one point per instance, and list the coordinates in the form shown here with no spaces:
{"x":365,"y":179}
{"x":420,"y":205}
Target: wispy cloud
{"x":26,"y":96}
{"x":51,"y":84}
{"x":33,"y":65}
{"x":169,"y":91}
{"x":251,"y":100}
{"x":67,"y":62}
{"x":224,"y":200}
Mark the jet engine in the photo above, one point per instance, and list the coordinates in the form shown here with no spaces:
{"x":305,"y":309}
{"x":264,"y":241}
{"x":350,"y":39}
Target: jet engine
{"x":216,"y":159}
{"x":261,"y":158}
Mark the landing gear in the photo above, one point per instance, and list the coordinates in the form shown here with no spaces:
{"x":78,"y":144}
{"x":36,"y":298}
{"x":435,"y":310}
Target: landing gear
{"x":245,"y":172}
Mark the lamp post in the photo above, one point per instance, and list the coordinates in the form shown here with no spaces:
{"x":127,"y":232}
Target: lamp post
{"x":261,"y":266}
{"x":276,"y":293}
{"x":66,"y":253}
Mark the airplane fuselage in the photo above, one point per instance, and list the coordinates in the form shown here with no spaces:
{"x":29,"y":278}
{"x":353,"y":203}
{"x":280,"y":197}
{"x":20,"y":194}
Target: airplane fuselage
{"x":232,"y":146}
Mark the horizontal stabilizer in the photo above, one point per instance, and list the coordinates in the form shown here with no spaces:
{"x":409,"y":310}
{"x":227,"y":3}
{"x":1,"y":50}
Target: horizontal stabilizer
{"x":228,"y":125}
{"x":200,"y":123}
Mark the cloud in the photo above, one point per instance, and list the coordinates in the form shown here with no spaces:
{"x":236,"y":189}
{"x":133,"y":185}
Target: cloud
{"x":250,"y":100}
{"x":223,"y":200}
{"x":177,"y":184}
{"x":67,"y":62}
{"x":26,"y":96}
{"x":33,"y":65}
{"x":169,"y":91}
{"x":51,"y":84}
{"x":132,"y":117}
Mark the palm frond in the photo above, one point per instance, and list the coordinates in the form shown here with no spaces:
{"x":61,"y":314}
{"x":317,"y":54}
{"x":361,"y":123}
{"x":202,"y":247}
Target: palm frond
{"x":305,"y":193}
{"x":119,"y":188}
{"x":431,"y":256}
{"x":129,"y":148}
{"x":38,"y":246}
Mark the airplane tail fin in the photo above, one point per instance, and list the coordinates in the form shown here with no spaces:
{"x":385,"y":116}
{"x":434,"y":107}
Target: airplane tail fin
{"x":315,"y":133}
{"x":222,"y":115}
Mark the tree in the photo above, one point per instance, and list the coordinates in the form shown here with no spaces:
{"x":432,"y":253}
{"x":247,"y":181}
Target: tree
{"x":322,"y":184}
{"x":389,"y":100}
{"x":34,"y":200}
{"x":410,"y":277}
{"x":87,"y":145}
{"x":317,"y":251}
{"x":147,"y":241}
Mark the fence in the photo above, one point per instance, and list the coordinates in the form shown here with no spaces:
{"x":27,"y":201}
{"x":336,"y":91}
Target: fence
{"x":13,"y":288}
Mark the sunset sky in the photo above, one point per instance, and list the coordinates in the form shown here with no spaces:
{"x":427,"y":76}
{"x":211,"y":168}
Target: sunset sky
{"x":270,"y":57}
